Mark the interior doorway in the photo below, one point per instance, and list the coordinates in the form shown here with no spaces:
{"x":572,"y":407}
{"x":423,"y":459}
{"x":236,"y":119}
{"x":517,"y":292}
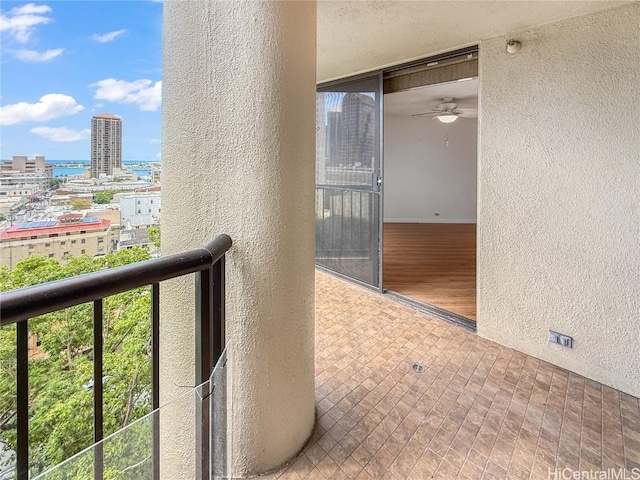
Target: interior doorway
{"x":429,"y":196}
{"x":396,"y":187}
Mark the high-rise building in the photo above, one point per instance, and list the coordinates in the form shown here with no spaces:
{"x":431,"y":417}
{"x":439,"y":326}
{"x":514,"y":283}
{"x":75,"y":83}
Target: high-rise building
{"x":357,"y":130}
{"x":350,"y":130}
{"x":106,"y":144}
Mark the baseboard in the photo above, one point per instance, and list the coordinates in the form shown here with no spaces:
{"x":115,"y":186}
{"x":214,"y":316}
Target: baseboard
{"x":430,"y":220}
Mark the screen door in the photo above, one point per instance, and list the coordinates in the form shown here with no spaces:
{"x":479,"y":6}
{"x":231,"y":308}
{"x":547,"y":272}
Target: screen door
{"x":348,"y":178}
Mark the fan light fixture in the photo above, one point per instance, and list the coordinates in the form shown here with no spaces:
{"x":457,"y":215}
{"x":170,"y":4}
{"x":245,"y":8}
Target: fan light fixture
{"x":447,"y":117}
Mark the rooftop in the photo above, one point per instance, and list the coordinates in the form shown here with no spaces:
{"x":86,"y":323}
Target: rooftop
{"x":49,"y":227}
{"x":107,"y":116}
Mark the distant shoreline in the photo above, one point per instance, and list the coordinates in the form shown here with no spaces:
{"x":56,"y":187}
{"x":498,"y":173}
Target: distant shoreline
{"x":66,"y":168}
{"x":88,"y":162}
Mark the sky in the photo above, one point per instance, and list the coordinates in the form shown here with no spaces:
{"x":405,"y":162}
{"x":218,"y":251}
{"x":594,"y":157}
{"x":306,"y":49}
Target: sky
{"x":64,"y":61}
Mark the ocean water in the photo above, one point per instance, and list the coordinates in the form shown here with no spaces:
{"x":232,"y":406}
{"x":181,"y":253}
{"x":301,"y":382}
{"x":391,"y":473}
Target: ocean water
{"x":63,"y":168}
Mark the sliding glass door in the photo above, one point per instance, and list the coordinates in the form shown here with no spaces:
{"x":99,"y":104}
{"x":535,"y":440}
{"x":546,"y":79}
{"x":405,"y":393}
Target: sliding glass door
{"x":348,"y":178}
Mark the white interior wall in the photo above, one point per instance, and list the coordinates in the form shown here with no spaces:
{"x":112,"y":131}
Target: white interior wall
{"x":423,"y":176}
{"x":559,"y":203}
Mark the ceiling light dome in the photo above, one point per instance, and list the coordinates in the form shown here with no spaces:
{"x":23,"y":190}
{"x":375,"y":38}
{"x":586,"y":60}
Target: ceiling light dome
{"x":447,"y":117}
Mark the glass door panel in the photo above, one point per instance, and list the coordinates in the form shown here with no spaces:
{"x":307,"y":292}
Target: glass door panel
{"x":348,"y":168}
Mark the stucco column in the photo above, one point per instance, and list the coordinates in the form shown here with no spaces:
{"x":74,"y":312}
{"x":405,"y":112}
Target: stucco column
{"x":238,"y":157}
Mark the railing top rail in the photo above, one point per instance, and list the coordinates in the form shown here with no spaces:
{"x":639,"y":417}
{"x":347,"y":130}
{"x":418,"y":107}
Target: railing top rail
{"x":22,"y":304}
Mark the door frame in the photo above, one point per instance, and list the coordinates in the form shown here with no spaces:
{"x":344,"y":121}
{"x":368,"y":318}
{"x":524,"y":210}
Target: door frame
{"x":381,"y":72}
{"x":380,"y":120}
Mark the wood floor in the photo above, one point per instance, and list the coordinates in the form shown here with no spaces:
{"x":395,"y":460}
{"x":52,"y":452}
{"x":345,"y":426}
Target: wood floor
{"x":433,"y":263}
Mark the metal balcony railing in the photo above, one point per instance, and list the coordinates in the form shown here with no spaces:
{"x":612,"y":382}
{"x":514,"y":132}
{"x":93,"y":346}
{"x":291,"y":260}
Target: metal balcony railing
{"x":208,"y":262}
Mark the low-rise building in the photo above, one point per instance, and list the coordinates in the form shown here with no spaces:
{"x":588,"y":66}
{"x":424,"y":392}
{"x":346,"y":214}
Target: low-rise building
{"x":62,"y":200}
{"x":124,"y":175}
{"x":20,"y":178}
{"x":23,"y":164}
{"x":156,"y":171}
{"x":71,"y":235}
{"x":130,"y":238}
{"x":138,"y":221}
{"x":19,"y":190}
{"x":111,"y":213}
{"x":100,"y":185}
{"x":132,"y":204}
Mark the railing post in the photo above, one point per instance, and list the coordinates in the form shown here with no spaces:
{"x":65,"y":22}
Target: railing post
{"x":22,"y":399}
{"x":218,"y":282}
{"x":98,"y":434}
{"x":218,"y":444}
{"x":204,"y":365}
{"x":155,"y":375}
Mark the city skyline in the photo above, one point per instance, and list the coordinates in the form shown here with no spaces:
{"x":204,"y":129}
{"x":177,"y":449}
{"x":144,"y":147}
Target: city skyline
{"x":64,"y":62}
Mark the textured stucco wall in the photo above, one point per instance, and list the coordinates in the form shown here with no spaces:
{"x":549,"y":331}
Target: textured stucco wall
{"x":559,"y":194}
{"x":239,"y":158}
{"x":363,"y":35}
{"x":423,"y":175}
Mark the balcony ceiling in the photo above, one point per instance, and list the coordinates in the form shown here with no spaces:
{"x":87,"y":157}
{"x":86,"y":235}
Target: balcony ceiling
{"x":359,"y":36}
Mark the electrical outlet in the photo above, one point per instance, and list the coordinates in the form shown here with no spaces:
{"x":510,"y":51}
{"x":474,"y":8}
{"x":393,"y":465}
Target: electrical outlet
{"x":560,"y":339}
{"x":566,"y":341}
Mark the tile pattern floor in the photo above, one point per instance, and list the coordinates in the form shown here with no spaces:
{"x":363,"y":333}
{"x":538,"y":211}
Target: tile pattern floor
{"x":478,"y":411}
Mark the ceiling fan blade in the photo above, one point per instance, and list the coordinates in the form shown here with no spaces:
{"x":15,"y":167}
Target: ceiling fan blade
{"x":426,"y":113}
{"x":467,"y":105}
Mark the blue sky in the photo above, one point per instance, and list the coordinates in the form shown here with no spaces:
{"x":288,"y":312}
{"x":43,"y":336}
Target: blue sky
{"x":65,"y":61}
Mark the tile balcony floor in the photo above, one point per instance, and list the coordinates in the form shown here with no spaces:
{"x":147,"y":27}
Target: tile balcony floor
{"x":478,"y":411}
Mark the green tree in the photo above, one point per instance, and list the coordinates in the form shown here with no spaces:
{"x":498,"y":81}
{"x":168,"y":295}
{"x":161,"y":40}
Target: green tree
{"x":3,"y":217}
{"x":154,"y":235}
{"x":80,"y":203}
{"x":61,"y":378}
{"x":104,"y":197}
{"x":55,"y":183}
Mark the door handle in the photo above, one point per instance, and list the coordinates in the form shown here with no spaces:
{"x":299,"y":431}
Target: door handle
{"x":376,"y":182}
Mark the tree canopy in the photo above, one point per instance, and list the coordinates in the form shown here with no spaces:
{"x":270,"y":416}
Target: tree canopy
{"x":61,"y":375}
{"x":54,"y":183}
{"x":80,"y":203}
{"x":104,"y":197}
{"x":153,"y":234}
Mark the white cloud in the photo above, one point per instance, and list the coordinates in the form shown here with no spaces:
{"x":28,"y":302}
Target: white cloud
{"x":50,"y":106}
{"x":143,"y":92}
{"x":30,"y":8}
{"x":154,"y":140}
{"x":61,"y":134}
{"x":35,"y":56}
{"x":107,"y":37}
{"x":21,"y":21}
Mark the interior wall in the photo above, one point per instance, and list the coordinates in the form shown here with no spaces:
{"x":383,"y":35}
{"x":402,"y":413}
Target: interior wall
{"x":559,"y":209}
{"x":426,"y":181}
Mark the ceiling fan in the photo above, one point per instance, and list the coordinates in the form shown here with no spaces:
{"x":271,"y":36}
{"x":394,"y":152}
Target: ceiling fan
{"x":448,"y":112}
